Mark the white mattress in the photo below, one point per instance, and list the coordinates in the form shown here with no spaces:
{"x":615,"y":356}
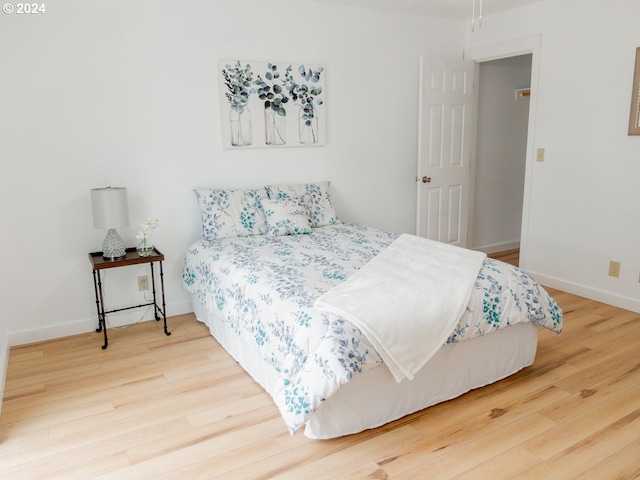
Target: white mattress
{"x":374,"y":398}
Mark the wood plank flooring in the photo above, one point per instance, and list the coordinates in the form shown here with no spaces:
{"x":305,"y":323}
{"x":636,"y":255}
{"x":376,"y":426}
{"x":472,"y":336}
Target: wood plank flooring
{"x":508,"y":256}
{"x":178,"y":407}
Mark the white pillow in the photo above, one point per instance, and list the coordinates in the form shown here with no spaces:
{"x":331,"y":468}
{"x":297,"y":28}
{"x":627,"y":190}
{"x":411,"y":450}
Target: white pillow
{"x":286,"y":216}
{"x":231,"y":212}
{"x":315,"y":196}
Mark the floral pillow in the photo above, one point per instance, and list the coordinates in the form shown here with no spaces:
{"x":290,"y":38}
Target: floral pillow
{"x":286,"y":216}
{"x":314,"y":196}
{"x":231,"y":212}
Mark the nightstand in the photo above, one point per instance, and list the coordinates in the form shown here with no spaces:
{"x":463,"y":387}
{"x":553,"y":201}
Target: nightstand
{"x":98,"y":262}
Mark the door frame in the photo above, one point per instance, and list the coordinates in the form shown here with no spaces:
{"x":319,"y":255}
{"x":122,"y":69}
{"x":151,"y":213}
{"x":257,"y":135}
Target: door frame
{"x":521,"y":46}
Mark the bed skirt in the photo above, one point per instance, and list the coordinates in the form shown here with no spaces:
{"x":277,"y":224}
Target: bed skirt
{"x":374,"y":398}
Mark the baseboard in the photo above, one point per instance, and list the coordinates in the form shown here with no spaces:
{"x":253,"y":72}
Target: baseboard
{"x":77,"y":327}
{"x":620,"y":301}
{"x":498,"y":247}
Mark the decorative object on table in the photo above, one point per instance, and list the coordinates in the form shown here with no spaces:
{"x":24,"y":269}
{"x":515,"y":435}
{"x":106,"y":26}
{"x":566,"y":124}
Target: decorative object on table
{"x":145,"y":247}
{"x":264,"y":104}
{"x":110,"y":211}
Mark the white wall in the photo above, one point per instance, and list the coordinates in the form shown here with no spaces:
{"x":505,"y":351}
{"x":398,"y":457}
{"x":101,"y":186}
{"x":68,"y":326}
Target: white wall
{"x":583,"y":204}
{"x":501,"y":146}
{"x":126,"y":93}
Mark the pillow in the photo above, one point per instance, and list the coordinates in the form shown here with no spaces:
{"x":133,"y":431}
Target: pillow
{"x":314,"y":196}
{"x":231,"y":212}
{"x":286,"y":216}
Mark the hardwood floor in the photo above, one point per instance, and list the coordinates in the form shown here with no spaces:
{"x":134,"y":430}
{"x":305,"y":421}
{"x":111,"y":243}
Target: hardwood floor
{"x":159,"y":407}
{"x":508,"y":256}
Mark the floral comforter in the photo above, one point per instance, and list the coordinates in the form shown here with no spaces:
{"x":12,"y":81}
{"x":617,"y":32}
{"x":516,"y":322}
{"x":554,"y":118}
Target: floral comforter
{"x":265,"y":288}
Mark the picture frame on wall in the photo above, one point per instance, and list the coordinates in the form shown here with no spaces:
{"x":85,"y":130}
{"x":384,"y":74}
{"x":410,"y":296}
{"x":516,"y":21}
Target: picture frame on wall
{"x":634,"y":116}
{"x":271,"y":105}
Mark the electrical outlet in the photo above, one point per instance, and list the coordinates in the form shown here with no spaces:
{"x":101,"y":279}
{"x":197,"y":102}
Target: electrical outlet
{"x":143,"y":283}
{"x":614,"y":269}
{"x":540,"y":155}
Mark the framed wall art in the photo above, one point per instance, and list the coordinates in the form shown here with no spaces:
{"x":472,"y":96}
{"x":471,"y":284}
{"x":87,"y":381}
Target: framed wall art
{"x":634,"y":116}
{"x":268,"y":104}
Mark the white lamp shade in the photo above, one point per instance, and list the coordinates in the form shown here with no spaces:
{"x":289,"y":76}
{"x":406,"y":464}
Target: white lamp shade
{"x":110,"y":207}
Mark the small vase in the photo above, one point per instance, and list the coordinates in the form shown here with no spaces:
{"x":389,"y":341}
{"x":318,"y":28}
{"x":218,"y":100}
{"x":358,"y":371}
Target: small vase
{"x":144,"y":248}
{"x":240,"y":123}
{"x":307,"y":125}
{"x":275,"y":127}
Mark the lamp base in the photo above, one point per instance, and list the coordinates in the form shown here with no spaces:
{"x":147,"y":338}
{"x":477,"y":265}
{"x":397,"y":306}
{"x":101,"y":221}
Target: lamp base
{"x":113,"y":247}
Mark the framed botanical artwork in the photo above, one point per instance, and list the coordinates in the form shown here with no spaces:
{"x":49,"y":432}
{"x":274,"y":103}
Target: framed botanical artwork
{"x":634,"y":116}
{"x":268,"y":104}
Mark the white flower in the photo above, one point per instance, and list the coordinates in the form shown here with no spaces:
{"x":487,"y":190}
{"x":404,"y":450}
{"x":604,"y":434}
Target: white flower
{"x":147,"y":227}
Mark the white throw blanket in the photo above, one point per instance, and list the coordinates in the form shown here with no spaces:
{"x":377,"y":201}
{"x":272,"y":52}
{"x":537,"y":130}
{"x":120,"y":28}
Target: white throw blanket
{"x":408,"y":299}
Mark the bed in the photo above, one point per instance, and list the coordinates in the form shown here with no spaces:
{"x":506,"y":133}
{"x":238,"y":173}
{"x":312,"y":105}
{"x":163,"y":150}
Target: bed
{"x":257,"y":277}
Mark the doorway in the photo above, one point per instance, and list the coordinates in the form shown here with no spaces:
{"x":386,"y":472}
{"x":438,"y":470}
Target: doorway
{"x":529,"y":44}
{"x":502,"y":121}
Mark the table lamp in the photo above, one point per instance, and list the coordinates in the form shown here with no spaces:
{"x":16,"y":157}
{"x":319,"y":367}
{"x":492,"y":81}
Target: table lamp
{"x":110,"y":211}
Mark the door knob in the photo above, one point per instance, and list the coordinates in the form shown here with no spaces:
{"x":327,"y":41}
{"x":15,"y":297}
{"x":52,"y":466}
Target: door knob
{"x":424,"y":179}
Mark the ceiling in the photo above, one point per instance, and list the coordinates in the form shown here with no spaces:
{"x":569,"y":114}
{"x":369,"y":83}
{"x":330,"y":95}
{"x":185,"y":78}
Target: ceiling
{"x":457,"y":9}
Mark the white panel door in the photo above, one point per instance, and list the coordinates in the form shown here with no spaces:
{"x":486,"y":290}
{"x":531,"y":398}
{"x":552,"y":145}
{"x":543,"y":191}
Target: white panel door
{"x":444,"y":149}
